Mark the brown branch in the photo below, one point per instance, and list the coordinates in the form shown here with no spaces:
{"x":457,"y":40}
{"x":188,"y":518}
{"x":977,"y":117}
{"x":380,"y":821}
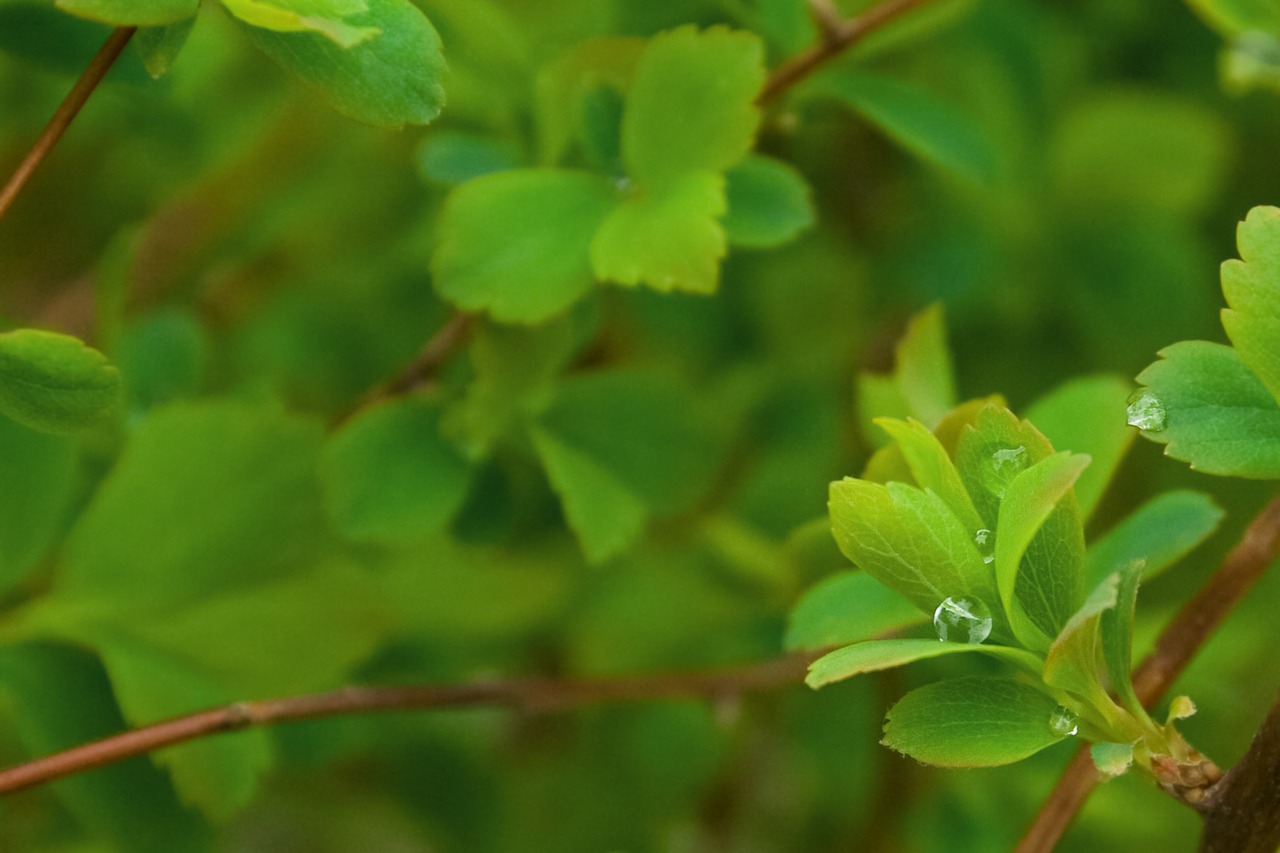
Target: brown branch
{"x":837,"y":36}
{"x":67,"y":110}
{"x":1242,"y":811}
{"x":531,"y":696}
{"x":1174,"y":649}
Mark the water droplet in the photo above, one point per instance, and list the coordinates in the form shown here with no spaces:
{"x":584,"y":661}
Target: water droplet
{"x":987,"y":548}
{"x":1002,"y":465}
{"x":1064,"y":723}
{"x":1145,"y":411}
{"x":962,"y":620}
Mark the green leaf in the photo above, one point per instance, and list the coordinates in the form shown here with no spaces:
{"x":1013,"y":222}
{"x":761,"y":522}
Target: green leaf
{"x":1158,"y":534}
{"x":389,"y":80}
{"x":769,"y":203}
{"x":45,"y":38}
{"x":162,"y":357}
{"x":37,"y":475}
{"x":455,"y":157}
{"x":1236,"y":16}
{"x":909,"y":540}
{"x":515,"y":244}
{"x":390,"y":477}
{"x":846,"y":608}
{"x":971,"y":722}
{"x":325,"y":17}
{"x":932,"y":468}
{"x":1075,"y":660}
{"x":691,"y":107}
{"x":1046,"y":591}
{"x":1111,"y":759}
{"x":886,"y":654}
{"x":131,"y":12}
{"x":923,"y":368}
{"x":668,"y":238}
{"x":1087,"y":416}
{"x":931,"y":128}
{"x":1116,"y":627}
{"x":1217,"y":414}
{"x":1252,"y":288}
{"x":54,"y":383}
{"x":159,"y":46}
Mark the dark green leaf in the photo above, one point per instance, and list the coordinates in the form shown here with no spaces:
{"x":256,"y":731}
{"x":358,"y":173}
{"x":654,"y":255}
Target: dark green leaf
{"x":769,"y":203}
{"x":36,"y":481}
{"x":162,"y":357}
{"x":846,"y":608}
{"x":455,"y":157}
{"x":160,"y":46}
{"x":54,"y":383}
{"x":1252,"y":288}
{"x":1157,"y":534}
{"x":971,"y":722}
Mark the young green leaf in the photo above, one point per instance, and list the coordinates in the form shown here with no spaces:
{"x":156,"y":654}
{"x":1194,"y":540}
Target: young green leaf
{"x":54,"y":383}
{"x":1213,"y":411}
{"x":769,"y":203}
{"x":1074,"y":661}
{"x":971,"y":722}
{"x":325,"y":17}
{"x":691,"y":107}
{"x":909,"y":540}
{"x":131,"y":12}
{"x":390,"y":477}
{"x":931,"y":467}
{"x":1087,"y":416}
{"x":1158,"y":534}
{"x":1046,"y":591}
{"x":846,"y":608}
{"x":1252,"y":288}
{"x":38,"y":476}
{"x":389,"y":80}
{"x":923,"y":124}
{"x":669,"y":238}
{"x":159,"y":46}
{"x":886,"y":654}
{"x":1111,"y":759}
{"x":992,"y":449}
{"x":922,"y":366}
{"x":1116,"y":627}
{"x":515,"y":244}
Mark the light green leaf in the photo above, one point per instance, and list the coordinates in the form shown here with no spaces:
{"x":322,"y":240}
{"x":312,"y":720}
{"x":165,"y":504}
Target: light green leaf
{"x":389,"y":476}
{"x":160,"y":46}
{"x":1111,"y":759}
{"x":931,"y":128}
{"x":668,"y":238}
{"x":37,"y":475}
{"x":1252,"y":288}
{"x":1116,"y":627}
{"x":325,"y":17}
{"x":515,"y":244}
{"x":1236,"y":16}
{"x":846,"y":608}
{"x":1087,"y":416}
{"x":769,"y":203}
{"x":131,"y":12}
{"x":971,"y":722}
{"x":389,"y":80}
{"x":1217,"y":414}
{"x":1075,"y":661}
{"x":605,"y":515}
{"x":1158,"y":533}
{"x":1046,"y":592}
{"x":910,"y":541}
{"x":932,"y":468}
{"x":54,"y":383}
{"x":923,"y":368}
{"x":992,"y":448}
{"x":691,"y":107}
{"x":886,"y":654}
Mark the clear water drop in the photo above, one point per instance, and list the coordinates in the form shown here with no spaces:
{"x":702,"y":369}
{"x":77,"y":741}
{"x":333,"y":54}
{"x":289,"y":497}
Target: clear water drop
{"x":1145,"y":411}
{"x":1002,"y":465}
{"x":962,"y":620}
{"x":986,"y":547}
{"x":1064,"y":723}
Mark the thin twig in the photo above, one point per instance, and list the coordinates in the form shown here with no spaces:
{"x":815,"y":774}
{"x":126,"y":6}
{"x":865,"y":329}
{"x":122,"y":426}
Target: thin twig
{"x":1242,"y":811}
{"x":837,"y":37}
{"x":67,"y":110}
{"x":1176,"y":646}
{"x":531,"y":695}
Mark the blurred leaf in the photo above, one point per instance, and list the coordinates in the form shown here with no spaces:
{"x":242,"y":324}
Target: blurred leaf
{"x":325,"y":17}
{"x":515,"y":243}
{"x":886,"y":654}
{"x":1216,"y":414}
{"x":926,"y":126}
{"x":1252,"y":288}
{"x":922,"y":367}
{"x":392,"y":79}
{"x":562,"y":85}
{"x":1233,"y":16}
{"x":47,"y":38}
{"x":846,"y":608}
{"x":971,"y":722}
{"x":389,"y":476}
{"x":131,"y":12}
{"x":1157,"y":534}
{"x":162,"y":357}
{"x":1087,"y":416}
{"x":37,"y":474}
{"x":160,"y":46}
{"x":54,"y":383}
{"x":769,"y":203}
{"x":669,"y":238}
{"x":455,"y":157}
{"x":691,"y":107}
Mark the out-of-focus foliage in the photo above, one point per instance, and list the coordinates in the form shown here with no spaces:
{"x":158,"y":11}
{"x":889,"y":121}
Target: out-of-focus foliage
{"x":627,"y":479}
